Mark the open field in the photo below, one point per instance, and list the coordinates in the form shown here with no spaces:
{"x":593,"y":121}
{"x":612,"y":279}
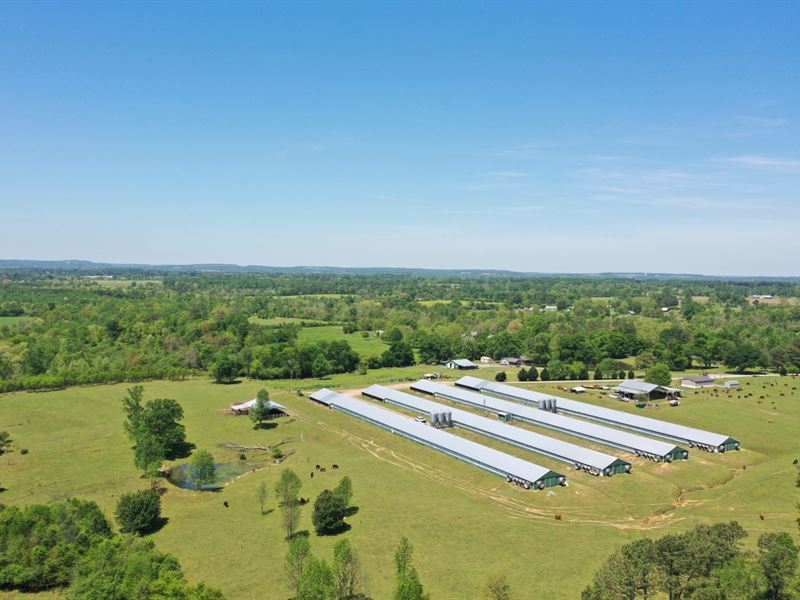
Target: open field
{"x":455,"y":514}
{"x":274,"y":321}
{"x":123,"y":283}
{"x":12,"y":321}
{"x":371,"y":346}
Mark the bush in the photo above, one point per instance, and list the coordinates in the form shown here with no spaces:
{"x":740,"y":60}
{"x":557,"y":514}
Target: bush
{"x":598,"y":374}
{"x":631,"y":374}
{"x":522,"y":375}
{"x":533,"y":374}
{"x":659,"y":374}
{"x":23,"y":451}
{"x":501,"y":376}
{"x":329,"y":512}
{"x":139,"y":512}
{"x":42,"y":543}
{"x":544,"y":375}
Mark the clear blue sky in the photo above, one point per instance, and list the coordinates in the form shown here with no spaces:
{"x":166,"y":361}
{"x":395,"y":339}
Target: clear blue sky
{"x":632,"y":136}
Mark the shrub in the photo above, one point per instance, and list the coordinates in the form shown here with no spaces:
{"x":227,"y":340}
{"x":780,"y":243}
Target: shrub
{"x":501,"y":376}
{"x":329,"y":512}
{"x":139,"y":512}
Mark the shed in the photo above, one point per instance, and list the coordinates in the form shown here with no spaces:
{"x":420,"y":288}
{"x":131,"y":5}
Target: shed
{"x":510,"y":361}
{"x":486,"y":360}
{"x":634,"y":389}
{"x":701,"y":381}
{"x":460,"y":363}
{"x":732,"y":385}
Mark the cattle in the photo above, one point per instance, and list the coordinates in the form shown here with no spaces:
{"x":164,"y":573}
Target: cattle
{"x":335,"y":466}
{"x":322,"y":469}
{"x":312,"y":474}
{"x":225,"y":504}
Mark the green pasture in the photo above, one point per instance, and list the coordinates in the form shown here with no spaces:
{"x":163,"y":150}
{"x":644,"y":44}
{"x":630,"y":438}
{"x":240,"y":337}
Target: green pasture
{"x":14,"y":321}
{"x":370,"y":346}
{"x":465,"y":523}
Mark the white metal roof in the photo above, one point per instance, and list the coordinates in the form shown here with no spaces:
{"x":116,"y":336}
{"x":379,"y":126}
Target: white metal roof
{"x":633,"y":385}
{"x":552,"y":447}
{"x":252,"y":403}
{"x":483,"y":456}
{"x":606,"y":435}
{"x":621,"y":418}
{"x":463,"y":362}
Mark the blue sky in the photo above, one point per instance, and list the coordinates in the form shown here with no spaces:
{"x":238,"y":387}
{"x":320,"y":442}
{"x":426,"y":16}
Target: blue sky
{"x":539,"y":137}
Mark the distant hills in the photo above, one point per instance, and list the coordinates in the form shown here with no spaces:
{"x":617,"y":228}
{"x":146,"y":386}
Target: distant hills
{"x":87,"y":266}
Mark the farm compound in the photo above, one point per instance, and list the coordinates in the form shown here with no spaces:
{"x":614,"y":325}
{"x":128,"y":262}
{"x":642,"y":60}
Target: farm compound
{"x":526,"y":474}
{"x":695,"y":438}
{"x":596,"y":463}
{"x":545,"y":416}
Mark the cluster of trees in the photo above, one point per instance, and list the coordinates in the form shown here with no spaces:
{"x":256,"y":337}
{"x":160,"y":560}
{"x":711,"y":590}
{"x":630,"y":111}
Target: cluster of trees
{"x":194,"y":323}
{"x":70,"y":545}
{"x":706,"y":563}
{"x":155,"y":429}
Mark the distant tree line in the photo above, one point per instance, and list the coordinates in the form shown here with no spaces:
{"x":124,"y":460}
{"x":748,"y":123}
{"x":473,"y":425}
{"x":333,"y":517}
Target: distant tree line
{"x":82,"y":333}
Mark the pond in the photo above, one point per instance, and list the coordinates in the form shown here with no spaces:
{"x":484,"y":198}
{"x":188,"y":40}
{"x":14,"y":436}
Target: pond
{"x":179,"y":475}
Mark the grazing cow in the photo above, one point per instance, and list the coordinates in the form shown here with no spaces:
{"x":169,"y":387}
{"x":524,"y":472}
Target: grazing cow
{"x":335,"y":466}
{"x":322,"y":469}
{"x":558,"y":516}
{"x":225,"y":503}
{"x":317,"y":467}
{"x":312,"y":474}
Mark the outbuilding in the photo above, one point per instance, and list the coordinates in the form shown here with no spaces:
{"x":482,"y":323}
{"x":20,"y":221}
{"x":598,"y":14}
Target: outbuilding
{"x":701,"y":381}
{"x":510,"y":362}
{"x":638,"y":390}
{"x":732,"y":385}
{"x":460,"y":363}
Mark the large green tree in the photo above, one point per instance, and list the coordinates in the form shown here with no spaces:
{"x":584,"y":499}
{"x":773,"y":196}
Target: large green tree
{"x":202,"y":470}
{"x":329,"y":512}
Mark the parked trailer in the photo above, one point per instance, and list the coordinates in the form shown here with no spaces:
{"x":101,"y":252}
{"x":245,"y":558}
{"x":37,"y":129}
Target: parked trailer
{"x":695,"y":438}
{"x":522,"y":472}
{"x":579,"y":457}
{"x":654,"y":450}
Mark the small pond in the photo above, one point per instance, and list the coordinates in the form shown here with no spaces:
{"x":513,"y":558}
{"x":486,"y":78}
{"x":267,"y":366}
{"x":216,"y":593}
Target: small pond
{"x":179,"y":475}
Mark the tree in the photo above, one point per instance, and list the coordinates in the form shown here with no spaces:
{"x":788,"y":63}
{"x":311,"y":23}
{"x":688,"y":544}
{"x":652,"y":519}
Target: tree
{"x":201,"y":469}
{"x":139,"y":512}
{"x":631,"y":374}
{"x":742,"y":356}
{"x":260,"y":411}
{"x":288,"y":486}
{"x":522,"y":375}
{"x":501,"y":376}
{"x":43,"y":543}
{"x":316,"y":582}
{"x":321,"y":366}
{"x":778,"y":560}
{"x":225,"y":367}
{"x":5,"y":442}
{"x":399,"y":354}
{"x":408,"y":583}
{"x":497,"y":588}
{"x":290,"y":516}
{"x":659,"y":374}
{"x":261,"y":494}
{"x":148,"y":454}
{"x":296,"y":556}
{"x":533,"y":374}
{"x":544,"y":375}
{"x":345,"y":490}
{"x":598,"y":374}
{"x":125,"y":567}
{"x":393,"y":335}
{"x":347,"y":575}
{"x":329,"y":513}
{"x":628,"y":571}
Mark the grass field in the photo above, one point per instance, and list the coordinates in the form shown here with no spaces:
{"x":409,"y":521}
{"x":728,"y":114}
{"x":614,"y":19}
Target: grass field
{"x":274,"y":321}
{"x":371,"y":346}
{"x":12,"y":321}
{"x":465,"y":523}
